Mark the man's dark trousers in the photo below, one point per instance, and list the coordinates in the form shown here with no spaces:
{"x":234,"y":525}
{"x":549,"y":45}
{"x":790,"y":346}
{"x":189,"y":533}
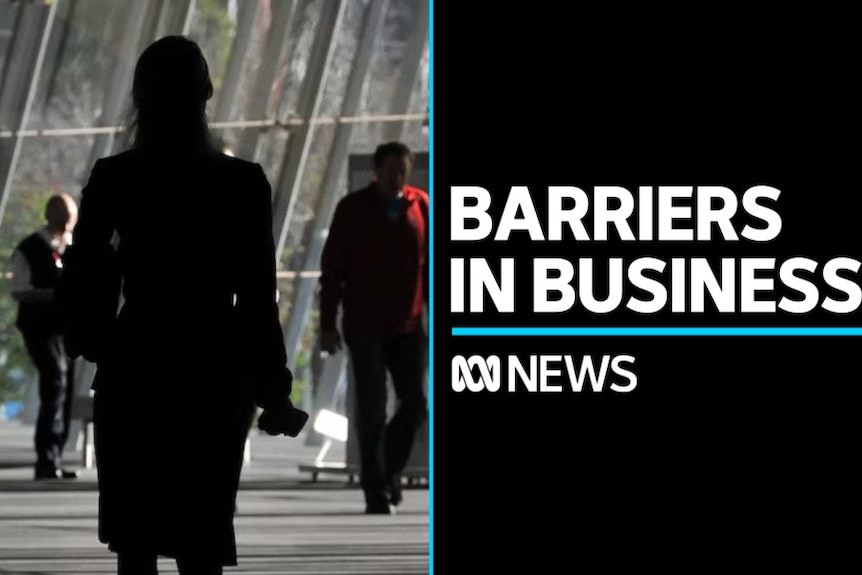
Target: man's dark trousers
{"x":56,"y":391}
{"x":385,"y":448}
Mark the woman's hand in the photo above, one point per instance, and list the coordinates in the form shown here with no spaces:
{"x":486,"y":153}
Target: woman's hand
{"x":282,"y":420}
{"x":330,"y":341}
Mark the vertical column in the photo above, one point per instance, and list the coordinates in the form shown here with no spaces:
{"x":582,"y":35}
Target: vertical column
{"x":408,"y":73}
{"x":304,"y":288}
{"x":18,"y":88}
{"x":54,"y":52}
{"x":299,"y":142}
{"x":175,"y":17}
{"x":230,"y":85}
{"x":119,"y":86}
{"x":276,"y":38}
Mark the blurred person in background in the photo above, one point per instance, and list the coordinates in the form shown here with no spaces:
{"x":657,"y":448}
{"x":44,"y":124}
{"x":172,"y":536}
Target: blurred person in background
{"x":375,"y":264}
{"x":37,"y":266}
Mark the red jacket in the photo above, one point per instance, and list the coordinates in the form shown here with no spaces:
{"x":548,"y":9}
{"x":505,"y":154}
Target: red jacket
{"x":375,"y":265}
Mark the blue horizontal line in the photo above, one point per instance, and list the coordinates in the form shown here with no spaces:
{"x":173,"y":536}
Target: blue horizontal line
{"x":657,"y":331}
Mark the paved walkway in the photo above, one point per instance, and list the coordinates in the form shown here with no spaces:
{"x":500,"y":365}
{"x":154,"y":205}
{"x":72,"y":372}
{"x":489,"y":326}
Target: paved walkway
{"x":285,"y":523}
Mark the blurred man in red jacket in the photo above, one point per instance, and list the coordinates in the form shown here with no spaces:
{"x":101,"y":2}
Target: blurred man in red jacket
{"x":375,"y":263}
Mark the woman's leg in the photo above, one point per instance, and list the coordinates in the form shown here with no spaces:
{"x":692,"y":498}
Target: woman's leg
{"x":137,"y":564}
{"x":197,"y":567}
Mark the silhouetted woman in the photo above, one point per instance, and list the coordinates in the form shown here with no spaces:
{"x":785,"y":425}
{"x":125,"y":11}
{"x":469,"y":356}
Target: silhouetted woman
{"x":186,"y":232}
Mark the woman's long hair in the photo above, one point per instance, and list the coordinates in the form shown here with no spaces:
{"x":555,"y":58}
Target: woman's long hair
{"x":171,"y":87}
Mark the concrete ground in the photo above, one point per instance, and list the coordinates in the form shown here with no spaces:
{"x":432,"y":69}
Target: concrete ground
{"x":285,"y":522}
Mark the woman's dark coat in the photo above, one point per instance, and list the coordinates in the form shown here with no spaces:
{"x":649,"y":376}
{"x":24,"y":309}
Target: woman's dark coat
{"x":195,"y":346}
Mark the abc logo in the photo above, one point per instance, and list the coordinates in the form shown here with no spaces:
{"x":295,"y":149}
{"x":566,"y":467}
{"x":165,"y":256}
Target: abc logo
{"x":488,"y":369}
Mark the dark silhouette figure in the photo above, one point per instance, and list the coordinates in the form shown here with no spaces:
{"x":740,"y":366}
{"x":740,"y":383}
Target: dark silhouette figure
{"x":183,"y":232}
{"x":375,"y":262}
{"x":37,"y":266}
